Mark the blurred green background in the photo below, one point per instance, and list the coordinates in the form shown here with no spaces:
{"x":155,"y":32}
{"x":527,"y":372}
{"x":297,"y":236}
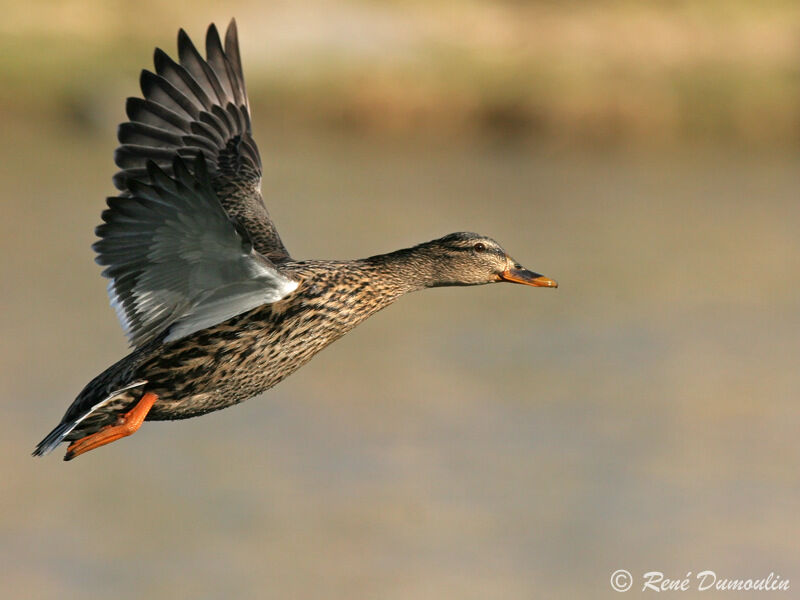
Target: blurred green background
{"x":493,"y":442}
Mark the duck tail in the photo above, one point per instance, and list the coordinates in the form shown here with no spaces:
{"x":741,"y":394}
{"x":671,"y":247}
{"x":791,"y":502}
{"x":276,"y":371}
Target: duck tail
{"x":84,"y":406}
{"x":54,"y":438}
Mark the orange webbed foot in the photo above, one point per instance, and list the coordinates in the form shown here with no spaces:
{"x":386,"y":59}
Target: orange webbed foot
{"x":129,"y":423}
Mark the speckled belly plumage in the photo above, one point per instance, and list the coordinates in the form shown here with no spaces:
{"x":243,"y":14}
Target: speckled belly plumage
{"x":238,"y":359}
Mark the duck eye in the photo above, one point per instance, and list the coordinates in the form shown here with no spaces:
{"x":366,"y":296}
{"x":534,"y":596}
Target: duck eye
{"x":479,"y":247}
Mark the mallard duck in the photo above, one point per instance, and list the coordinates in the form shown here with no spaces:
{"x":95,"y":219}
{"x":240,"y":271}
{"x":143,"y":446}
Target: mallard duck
{"x":214,"y":307}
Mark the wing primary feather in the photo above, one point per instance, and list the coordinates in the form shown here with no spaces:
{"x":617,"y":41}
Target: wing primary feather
{"x":159,"y":90}
{"x":143,"y":134}
{"x":232,"y":52}
{"x":178,"y":75}
{"x":194,"y":63}
{"x":193,"y":216}
{"x":215,"y":56}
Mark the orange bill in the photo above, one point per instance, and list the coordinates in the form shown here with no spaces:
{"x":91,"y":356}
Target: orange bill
{"x":526,"y":277}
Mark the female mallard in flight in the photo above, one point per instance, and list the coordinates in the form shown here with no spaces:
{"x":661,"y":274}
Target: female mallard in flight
{"x":213,"y":305}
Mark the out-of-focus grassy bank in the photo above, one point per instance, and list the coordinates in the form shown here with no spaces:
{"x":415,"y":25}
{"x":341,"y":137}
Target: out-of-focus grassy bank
{"x":615,"y":72}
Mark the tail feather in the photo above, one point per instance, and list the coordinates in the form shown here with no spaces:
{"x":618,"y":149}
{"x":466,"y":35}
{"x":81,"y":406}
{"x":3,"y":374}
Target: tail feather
{"x":63,"y":429}
{"x":54,"y":438}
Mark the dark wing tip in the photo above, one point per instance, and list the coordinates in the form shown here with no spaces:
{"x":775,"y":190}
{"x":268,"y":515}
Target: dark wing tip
{"x":180,"y":169}
{"x":212,"y":35}
{"x":144,"y":77}
{"x":232,"y":36}
{"x":155,"y":172}
{"x":160,"y":59}
{"x":132,"y":107}
{"x":185,"y":44}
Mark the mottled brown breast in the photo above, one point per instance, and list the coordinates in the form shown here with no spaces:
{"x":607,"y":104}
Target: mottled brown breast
{"x":250,"y":353}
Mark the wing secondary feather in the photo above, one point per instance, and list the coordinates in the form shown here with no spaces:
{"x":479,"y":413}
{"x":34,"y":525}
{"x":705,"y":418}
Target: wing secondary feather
{"x":176,"y":260}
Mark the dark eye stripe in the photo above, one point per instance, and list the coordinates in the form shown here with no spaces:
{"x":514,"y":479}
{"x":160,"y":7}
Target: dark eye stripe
{"x":471,"y":248}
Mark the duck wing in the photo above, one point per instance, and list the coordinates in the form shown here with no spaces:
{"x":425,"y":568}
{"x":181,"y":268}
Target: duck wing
{"x":177,"y":261}
{"x":194,"y":106}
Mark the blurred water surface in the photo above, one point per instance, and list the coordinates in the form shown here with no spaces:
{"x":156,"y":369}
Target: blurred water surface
{"x":491,"y":442}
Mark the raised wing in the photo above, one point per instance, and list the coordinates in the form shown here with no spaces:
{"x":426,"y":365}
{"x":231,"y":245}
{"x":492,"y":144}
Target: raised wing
{"x":200,"y":105}
{"x":176,"y":260}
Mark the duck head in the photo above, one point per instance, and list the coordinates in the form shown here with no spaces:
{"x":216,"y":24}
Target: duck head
{"x":473,"y":259}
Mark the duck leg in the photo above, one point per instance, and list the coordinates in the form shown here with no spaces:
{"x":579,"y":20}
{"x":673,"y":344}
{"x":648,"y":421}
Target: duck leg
{"x":128,"y":424}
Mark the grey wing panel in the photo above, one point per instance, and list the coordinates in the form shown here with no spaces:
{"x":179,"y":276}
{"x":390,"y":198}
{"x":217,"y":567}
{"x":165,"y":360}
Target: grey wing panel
{"x":193,"y":106}
{"x":224,"y":303}
{"x":175,"y":259}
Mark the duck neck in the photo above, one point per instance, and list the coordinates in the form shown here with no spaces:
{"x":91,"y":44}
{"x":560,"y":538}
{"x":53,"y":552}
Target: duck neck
{"x":406,"y":270}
